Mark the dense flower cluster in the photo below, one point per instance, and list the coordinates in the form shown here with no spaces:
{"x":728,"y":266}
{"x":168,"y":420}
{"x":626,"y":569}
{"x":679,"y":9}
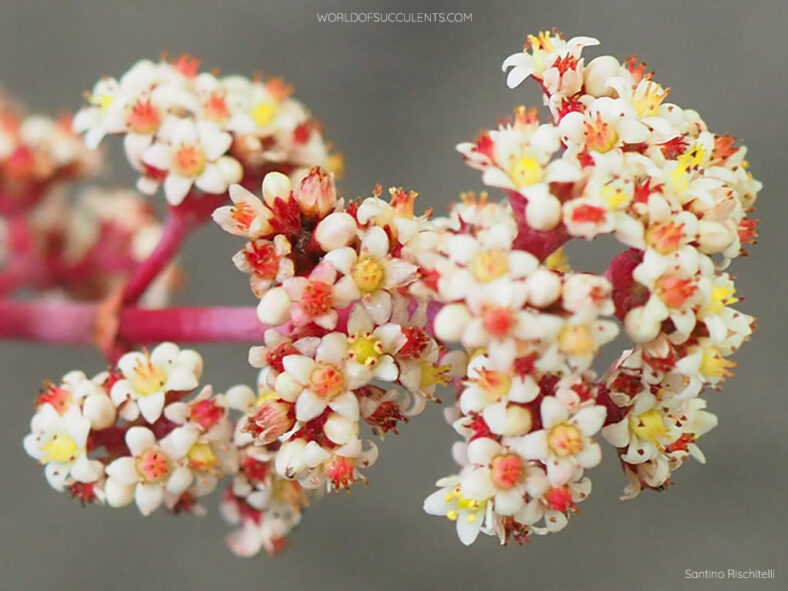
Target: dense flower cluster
{"x":349,"y":345}
{"x":615,"y":159}
{"x":129,"y":435}
{"x":368,"y":308}
{"x":183,"y":128}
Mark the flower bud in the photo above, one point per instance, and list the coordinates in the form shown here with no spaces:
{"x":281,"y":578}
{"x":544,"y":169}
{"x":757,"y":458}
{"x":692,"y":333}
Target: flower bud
{"x":274,"y":307}
{"x":339,"y":429}
{"x":544,"y":213}
{"x":316,"y":193}
{"x":271,"y":420}
{"x":451,"y":321}
{"x":597,"y":74}
{"x":544,"y":287}
{"x":714,"y":237}
{"x":276,"y":185}
{"x":99,"y":410}
{"x":335,"y":231}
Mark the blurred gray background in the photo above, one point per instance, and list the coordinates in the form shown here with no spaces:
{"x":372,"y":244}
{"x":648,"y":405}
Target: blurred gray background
{"x":396,"y":99}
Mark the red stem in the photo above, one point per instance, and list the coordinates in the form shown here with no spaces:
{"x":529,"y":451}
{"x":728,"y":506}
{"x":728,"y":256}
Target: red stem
{"x":75,"y":323}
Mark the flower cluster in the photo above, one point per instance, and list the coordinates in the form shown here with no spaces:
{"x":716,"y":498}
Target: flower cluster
{"x":183,"y":128}
{"x":368,"y":308}
{"x":526,"y":407}
{"x":35,"y":152}
{"x":129,"y":435}
{"x":347,"y":345}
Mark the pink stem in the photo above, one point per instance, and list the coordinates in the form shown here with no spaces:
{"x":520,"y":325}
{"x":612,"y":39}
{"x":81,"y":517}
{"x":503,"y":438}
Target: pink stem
{"x":76,"y":323}
{"x":181,"y":220}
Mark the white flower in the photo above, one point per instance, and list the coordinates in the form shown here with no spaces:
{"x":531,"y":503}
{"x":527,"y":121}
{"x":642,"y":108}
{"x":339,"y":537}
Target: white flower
{"x":191,"y":153}
{"x":500,"y":475}
{"x":564,"y":442}
{"x":371,"y":274}
{"x":59,"y":442}
{"x":147,"y":377}
{"x":152,"y":468}
{"x":545,"y":49}
{"x":448,"y":502}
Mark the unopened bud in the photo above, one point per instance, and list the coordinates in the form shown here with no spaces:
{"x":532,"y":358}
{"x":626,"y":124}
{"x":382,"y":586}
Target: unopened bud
{"x":276,"y":185}
{"x":316,"y":193}
{"x":714,"y":237}
{"x":597,"y":74}
{"x":271,"y":420}
{"x":335,"y":231}
{"x":274,"y":307}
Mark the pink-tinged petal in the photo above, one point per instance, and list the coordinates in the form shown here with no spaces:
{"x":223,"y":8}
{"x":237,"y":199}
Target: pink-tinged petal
{"x":533,"y":445}
{"x":325,"y":272}
{"x":148,"y":497}
{"x":139,"y":439}
{"x":299,"y":367}
{"x":180,"y":479}
{"x":559,"y":472}
{"x":482,"y":450}
{"x":375,"y":243}
{"x":123,"y":470}
{"x":176,"y":187}
{"x":509,"y":502}
{"x":476,"y":484}
{"x":590,"y":419}
{"x":309,"y":405}
{"x":151,"y":406}
{"x":346,"y":405}
{"x":553,"y":412}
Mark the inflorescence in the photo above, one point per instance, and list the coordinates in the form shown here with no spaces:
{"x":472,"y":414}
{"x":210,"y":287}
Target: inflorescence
{"x":368,"y":308}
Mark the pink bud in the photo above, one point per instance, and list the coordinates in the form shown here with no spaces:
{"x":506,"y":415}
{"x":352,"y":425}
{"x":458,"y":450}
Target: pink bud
{"x":316,"y":193}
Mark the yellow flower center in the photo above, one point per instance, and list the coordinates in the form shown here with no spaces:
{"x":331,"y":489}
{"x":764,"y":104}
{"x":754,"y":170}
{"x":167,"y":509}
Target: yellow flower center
{"x":648,"y":98}
{"x":463,"y":504}
{"x":489,"y":265}
{"x":263,"y":113}
{"x":432,"y":374}
{"x":493,"y":384}
{"x":365,"y":348}
{"x":147,"y":378}
{"x":576,"y":339}
{"x":103,"y":100}
{"x":368,"y":274}
{"x":201,"y":457}
{"x":615,"y":197}
{"x":649,"y":426}
{"x":721,"y":296}
{"x":526,"y":171}
{"x":61,"y":448}
{"x":565,"y":440}
{"x":714,"y":365}
{"x":600,"y":136}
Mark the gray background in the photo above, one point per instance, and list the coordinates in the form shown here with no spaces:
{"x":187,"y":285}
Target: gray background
{"x":396,"y":98}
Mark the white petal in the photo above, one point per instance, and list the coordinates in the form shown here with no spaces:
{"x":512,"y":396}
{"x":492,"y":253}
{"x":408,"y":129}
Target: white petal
{"x":148,"y":497}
